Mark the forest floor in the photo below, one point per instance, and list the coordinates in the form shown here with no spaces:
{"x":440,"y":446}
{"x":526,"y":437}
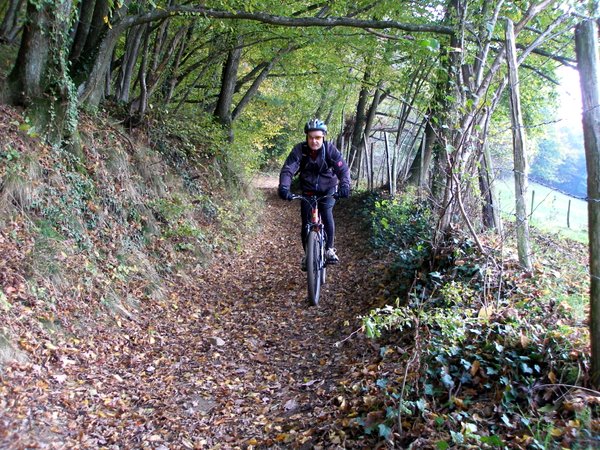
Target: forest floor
{"x":234,"y":358}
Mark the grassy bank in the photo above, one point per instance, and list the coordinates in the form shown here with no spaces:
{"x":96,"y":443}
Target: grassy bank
{"x":550,"y":210}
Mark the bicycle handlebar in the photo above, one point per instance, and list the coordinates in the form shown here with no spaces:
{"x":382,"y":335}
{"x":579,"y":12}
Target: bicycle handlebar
{"x":308,"y":198}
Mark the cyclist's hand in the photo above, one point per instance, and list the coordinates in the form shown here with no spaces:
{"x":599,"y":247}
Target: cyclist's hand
{"x":344,"y":191}
{"x":284,"y":193}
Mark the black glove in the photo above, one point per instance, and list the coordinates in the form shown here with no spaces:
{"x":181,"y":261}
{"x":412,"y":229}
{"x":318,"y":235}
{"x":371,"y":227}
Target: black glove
{"x":284,"y":193}
{"x":344,"y":191}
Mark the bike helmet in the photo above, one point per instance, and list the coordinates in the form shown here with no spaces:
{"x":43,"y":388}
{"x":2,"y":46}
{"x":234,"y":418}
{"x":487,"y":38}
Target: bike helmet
{"x":314,"y":125}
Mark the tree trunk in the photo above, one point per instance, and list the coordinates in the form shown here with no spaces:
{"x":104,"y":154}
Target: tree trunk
{"x":485,"y":187}
{"x":253,"y":89}
{"x":40,"y":80}
{"x":174,"y":72}
{"x":25,"y":79}
{"x":371,"y":168}
{"x":132,"y":49}
{"x":138,"y":108}
{"x":90,"y":72}
{"x":370,"y":118}
{"x":98,"y":26}
{"x":90,"y":33}
{"x":359,"y":123}
{"x":519,"y":151}
{"x":10,"y":25}
{"x":586,"y":45}
{"x":417,"y":174}
{"x":86,"y":12}
{"x":390,"y":170}
{"x":228,"y":80}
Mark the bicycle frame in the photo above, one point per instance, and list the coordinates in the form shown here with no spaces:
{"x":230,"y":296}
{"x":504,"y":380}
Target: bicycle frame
{"x":315,"y":248}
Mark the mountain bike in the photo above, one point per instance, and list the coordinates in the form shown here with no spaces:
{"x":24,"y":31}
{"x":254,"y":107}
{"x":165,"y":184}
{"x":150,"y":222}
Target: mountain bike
{"x":315,"y":248}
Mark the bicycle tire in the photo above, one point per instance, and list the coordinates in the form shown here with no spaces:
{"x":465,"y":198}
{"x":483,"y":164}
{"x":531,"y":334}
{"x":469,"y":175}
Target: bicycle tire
{"x":323,"y":262}
{"x":313,"y":268}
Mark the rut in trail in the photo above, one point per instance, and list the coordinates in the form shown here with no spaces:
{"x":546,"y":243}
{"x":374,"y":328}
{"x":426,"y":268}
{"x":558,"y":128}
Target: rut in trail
{"x":233,"y":357}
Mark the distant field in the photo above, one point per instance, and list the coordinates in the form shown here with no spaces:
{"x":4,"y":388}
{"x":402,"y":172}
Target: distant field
{"x":549,"y":210}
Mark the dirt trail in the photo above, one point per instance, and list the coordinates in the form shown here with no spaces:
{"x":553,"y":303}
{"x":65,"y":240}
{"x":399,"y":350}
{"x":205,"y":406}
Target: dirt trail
{"x":235,"y":359}
{"x":282,"y":360}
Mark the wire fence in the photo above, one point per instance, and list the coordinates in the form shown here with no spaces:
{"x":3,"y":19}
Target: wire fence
{"x":547,"y":206}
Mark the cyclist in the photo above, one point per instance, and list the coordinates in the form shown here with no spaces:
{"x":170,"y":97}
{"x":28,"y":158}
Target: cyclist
{"x":321,"y":167}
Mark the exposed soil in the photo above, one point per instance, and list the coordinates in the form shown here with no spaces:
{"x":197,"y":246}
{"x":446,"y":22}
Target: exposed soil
{"x":235,"y":358}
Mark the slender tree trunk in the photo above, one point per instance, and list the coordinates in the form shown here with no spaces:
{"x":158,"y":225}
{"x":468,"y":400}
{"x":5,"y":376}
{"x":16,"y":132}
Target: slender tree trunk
{"x":10,"y":25}
{"x":370,"y":118}
{"x":485,"y":187}
{"x":417,"y":174}
{"x":89,"y":36}
{"x":253,"y":89}
{"x":371,"y":168}
{"x":586,"y":44}
{"x":132,"y":49}
{"x":173,"y":76}
{"x":140,"y":105}
{"x":86,"y":12}
{"x":228,"y":80}
{"x":92,"y":68}
{"x":390,"y":172}
{"x":98,"y":26}
{"x":359,"y":123}
{"x":519,"y":151}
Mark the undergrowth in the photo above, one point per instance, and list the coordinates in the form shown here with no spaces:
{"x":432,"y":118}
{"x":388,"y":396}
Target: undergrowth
{"x":474,"y":348}
{"x":103,"y":222}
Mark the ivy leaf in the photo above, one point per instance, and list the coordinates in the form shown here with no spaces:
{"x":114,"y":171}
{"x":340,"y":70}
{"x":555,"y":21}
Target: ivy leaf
{"x":447,"y":380}
{"x":506,"y":421}
{"x":384,"y":431}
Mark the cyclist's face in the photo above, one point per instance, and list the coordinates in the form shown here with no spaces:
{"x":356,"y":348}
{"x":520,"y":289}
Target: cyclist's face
{"x":315,"y":139}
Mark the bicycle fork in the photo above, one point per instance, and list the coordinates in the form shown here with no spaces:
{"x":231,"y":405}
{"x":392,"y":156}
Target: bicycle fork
{"x":317,"y":225}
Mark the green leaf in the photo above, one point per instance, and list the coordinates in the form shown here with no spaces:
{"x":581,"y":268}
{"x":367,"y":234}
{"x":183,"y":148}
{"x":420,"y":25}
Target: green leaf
{"x":431,"y":44}
{"x":547,"y":408}
{"x":442,"y":445}
{"x":493,"y":440}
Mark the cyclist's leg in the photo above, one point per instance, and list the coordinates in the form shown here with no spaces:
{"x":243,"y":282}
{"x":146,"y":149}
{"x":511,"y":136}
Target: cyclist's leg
{"x":326,"y":210}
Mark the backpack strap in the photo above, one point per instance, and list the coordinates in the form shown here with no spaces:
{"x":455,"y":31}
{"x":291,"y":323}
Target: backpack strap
{"x":306,"y":155}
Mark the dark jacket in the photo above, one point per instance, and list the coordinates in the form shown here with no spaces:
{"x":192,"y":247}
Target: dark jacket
{"x":318,"y":175}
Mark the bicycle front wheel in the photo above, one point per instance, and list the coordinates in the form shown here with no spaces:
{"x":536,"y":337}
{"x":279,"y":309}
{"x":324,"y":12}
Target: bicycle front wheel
{"x":313,"y":267}
{"x":323,"y":264}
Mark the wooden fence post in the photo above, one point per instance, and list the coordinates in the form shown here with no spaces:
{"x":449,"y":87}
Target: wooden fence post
{"x":586,"y":48}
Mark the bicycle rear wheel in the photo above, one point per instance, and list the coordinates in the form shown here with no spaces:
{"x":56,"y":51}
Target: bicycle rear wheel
{"x":313,"y":268}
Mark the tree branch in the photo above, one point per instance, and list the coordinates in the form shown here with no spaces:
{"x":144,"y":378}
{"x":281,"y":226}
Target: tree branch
{"x":287,"y":21}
